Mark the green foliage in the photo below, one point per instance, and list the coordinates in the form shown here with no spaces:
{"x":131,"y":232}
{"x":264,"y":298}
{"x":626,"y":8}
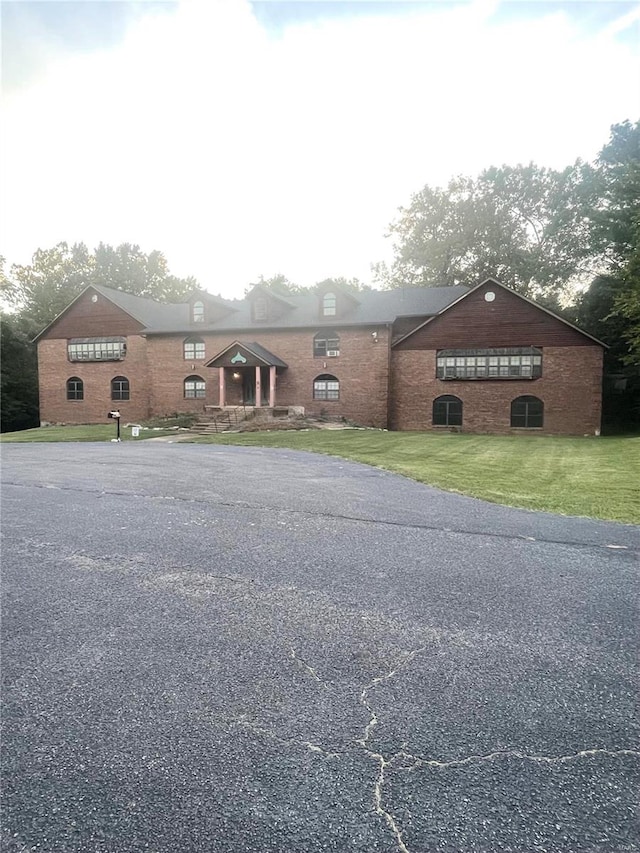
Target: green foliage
{"x":18,"y":375}
{"x":352,"y":285}
{"x":522,"y":225}
{"x":44,"y":288}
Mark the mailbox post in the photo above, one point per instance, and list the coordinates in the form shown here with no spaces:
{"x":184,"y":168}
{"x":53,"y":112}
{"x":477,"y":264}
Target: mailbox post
{"x":116,"y":417}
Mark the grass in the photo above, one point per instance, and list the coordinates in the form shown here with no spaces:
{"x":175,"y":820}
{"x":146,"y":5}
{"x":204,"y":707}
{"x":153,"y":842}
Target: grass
{"x":80,"y":432}
{"x":594,"y":477}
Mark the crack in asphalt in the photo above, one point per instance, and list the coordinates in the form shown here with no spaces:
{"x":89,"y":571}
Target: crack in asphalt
{"x":489,"y":534}
{"x":304,"y":665}
{"x":378,"y":756}
{"x":513,"y":753}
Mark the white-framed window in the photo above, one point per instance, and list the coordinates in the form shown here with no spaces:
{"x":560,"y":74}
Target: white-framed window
{"x":329,"y":304}
{"x":197,"y":312}
{"x":492,"y":363}
{"x":326,"y":343}
{"x":194,"y":388}
{"x":260,"y":309}
{"x":96,"y":349}
{"x":193,"y":349}
{"x":326,"y":387}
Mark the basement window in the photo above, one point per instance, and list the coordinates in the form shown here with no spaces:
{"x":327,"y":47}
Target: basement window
{"x":493,"y":363}
{"x":96,"y":349}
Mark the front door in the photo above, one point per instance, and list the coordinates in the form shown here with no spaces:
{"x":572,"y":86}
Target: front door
{"x":249,"y":386}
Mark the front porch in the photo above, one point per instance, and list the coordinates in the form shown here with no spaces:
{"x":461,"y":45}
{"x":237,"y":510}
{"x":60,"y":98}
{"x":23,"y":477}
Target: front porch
{"x":224,"y":418}
{"x":247,"y":376}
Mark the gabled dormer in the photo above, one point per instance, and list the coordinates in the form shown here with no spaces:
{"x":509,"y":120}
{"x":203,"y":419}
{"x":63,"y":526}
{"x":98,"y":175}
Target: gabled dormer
{"x":335,"y":301}
{"x":266,"y":306}
{"x":205,"y":309}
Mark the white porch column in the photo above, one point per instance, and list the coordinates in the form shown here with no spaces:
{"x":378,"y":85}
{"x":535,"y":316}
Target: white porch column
{"x":272,"y":386}
{"x":258,"y":388}
{"x":222,"y":388}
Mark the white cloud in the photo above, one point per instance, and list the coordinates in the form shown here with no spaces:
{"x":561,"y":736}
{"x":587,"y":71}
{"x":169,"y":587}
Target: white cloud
{"x":238,"y":153}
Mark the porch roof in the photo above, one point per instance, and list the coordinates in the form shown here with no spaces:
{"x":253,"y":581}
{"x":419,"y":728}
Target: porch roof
{"x":254,"y":350}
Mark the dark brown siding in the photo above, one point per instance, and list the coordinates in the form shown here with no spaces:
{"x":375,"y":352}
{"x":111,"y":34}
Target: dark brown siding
{"x":403,"y":325}
{"x":87,"y":319}
{"x":508,"y":321}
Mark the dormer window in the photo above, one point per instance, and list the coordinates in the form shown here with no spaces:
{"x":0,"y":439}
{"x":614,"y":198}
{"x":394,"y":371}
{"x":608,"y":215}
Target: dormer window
{"x":260,"y":309}
{"x":197,"y":312}
{"x":329,"y":302}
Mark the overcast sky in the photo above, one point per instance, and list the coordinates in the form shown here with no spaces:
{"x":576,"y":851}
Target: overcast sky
{"x":245,"y":138}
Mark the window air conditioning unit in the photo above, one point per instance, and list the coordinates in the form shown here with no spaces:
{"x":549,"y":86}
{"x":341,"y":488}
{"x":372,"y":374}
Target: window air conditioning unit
{"x":332,"y":353}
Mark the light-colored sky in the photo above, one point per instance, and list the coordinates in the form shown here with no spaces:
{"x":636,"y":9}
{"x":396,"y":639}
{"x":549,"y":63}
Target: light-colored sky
{"x":252,"y":138}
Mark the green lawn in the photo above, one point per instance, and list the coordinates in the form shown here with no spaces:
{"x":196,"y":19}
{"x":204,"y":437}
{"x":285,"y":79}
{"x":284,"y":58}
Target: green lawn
{"x":81,"y":432}
{"x":596,"y":477}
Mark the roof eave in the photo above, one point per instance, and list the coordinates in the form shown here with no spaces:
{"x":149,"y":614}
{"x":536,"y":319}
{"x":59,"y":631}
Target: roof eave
{"x":495,"y":282}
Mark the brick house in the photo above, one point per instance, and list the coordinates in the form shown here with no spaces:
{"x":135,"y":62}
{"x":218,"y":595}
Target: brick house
{"x":477,"y":360}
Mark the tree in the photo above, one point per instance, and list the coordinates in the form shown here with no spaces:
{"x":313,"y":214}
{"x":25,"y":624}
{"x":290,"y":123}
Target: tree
{"x":42,"y":289}
{"x":616,"y":228}
{"x":127,"y":268}
{"x":18,"y":374}
{"x":55,"y":277}
{"x":524,"y":225}
{"x":354,"y":285}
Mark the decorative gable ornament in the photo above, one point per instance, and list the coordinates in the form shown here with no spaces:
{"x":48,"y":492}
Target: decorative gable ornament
{"x":238,"y":358}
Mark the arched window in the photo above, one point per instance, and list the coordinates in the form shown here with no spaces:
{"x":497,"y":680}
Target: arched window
{"x":447,"y":411}
{"x":527,"y":412}
{"x":198,"y":312}
{"x":329,"y":303}
{"x":326,"y":387}
{"x":120,"y":388}
{"x":194,"y":388}
{"x":193,"y":349}
{"x":326,"y":343}
{"x":75,"y":388}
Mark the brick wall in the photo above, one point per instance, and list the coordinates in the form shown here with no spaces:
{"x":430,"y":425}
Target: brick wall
{"x":362,"y":369}
{"x":54,"y":369}
{"x":570,"y":389}
{"x":156,"y":369}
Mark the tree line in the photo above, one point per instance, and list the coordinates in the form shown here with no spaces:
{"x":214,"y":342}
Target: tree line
{"x":568,"y":238}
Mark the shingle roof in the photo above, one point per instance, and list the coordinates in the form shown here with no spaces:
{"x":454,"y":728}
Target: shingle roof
{"x":370,"y":307}
{"x":373,"y":307}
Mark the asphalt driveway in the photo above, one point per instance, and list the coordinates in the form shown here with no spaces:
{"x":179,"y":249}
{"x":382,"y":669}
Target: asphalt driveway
{"x":231,"y":649}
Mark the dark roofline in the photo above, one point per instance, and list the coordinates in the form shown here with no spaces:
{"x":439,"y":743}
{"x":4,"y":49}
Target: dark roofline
{"x":103,"y":291}
{"x":251,"y":347}
{"x":493,"y":281}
